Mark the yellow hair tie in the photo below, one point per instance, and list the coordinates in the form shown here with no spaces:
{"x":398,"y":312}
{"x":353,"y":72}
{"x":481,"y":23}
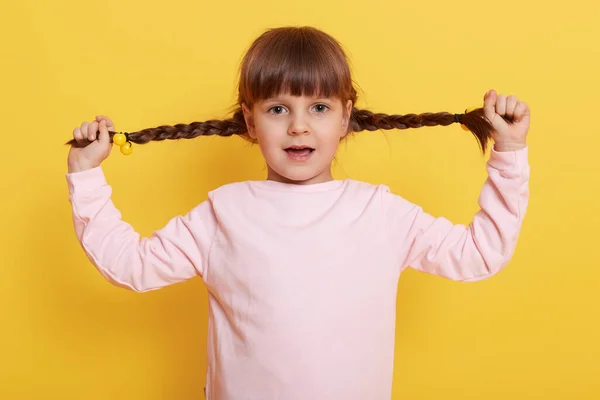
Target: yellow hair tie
{"x":122,"y":139}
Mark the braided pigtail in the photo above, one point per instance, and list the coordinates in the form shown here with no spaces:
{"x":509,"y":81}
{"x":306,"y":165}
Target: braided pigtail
{"x":472,"y":120}
{"x":236,"y":125}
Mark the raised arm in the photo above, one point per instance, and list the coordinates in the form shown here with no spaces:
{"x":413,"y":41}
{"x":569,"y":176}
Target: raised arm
{"x":176,"y":252}
{"x":466,"y":253}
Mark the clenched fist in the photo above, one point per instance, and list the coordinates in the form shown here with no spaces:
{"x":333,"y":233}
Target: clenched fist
{"x":510,"y":119}
{"x":92,"y":155}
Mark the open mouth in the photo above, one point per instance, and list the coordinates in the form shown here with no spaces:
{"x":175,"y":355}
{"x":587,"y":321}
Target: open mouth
{"x":299,"y":151}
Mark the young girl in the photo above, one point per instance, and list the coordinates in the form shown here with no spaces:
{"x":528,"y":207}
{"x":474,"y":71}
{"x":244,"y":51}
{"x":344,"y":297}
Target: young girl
{"x":301,"y":269}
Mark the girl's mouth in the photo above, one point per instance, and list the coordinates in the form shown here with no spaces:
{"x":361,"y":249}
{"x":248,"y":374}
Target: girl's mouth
{"x":299,"y":153}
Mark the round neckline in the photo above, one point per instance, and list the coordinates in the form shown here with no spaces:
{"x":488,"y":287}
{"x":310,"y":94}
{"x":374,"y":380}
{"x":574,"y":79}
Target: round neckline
{"x":294,"y":187}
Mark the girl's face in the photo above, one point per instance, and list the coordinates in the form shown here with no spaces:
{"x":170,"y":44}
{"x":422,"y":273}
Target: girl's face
{"x":298,"y":135}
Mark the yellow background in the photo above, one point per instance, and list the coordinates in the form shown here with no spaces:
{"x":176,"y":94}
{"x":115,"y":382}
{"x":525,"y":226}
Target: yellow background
{"x":532,"y":332}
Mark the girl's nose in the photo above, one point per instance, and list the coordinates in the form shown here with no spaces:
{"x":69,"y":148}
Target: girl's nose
{"x":298,"y":126}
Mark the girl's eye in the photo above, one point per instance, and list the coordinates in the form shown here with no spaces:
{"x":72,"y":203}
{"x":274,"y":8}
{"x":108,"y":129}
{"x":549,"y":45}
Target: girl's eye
{"x":321,"y":108}
{"x":276,"y":110}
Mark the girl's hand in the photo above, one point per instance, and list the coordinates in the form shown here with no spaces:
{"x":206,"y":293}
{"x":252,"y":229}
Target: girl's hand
{"x":510,"y":119}
{"x":90,"y":156}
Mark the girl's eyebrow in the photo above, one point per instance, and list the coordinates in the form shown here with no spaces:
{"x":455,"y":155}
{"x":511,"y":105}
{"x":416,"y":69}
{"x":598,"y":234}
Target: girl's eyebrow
{"x":280,"y":100}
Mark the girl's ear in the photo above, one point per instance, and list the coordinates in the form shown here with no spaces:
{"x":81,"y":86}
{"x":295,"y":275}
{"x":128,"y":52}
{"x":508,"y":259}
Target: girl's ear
{"x":346,"y":117}
{"x":249,"y":121}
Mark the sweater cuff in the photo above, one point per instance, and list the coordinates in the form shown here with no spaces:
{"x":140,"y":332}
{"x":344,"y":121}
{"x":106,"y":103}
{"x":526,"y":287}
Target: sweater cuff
{"x":86,"y":181}
{"x":508,"y":160}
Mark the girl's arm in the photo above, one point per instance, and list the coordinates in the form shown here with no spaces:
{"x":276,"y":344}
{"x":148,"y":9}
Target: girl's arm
{"x":177,"y":252}
{"x":473,"y":252}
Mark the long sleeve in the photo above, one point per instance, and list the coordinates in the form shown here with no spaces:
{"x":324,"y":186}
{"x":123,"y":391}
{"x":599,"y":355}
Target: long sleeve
{"x":177,"y":252}
{"x":466,"y":253}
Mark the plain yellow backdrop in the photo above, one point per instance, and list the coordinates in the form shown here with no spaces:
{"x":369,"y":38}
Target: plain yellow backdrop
{"x":531,"y":332}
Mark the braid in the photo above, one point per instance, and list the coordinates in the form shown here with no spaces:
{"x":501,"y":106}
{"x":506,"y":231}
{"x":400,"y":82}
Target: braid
{"x":474,"y":121}
{"x":227,"y":127}
{"x":235,"y":125}
{"x":360,"y":120}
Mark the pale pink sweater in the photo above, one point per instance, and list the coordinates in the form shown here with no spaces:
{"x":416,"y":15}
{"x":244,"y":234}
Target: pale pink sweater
{"x":302,"y":280}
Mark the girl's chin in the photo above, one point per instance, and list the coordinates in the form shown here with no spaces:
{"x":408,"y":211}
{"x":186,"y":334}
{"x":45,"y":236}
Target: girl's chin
{"x":300,"y":177}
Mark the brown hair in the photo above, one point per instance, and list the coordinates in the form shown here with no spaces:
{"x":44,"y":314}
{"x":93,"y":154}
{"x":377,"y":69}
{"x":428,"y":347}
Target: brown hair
{"x":302,"y":61}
